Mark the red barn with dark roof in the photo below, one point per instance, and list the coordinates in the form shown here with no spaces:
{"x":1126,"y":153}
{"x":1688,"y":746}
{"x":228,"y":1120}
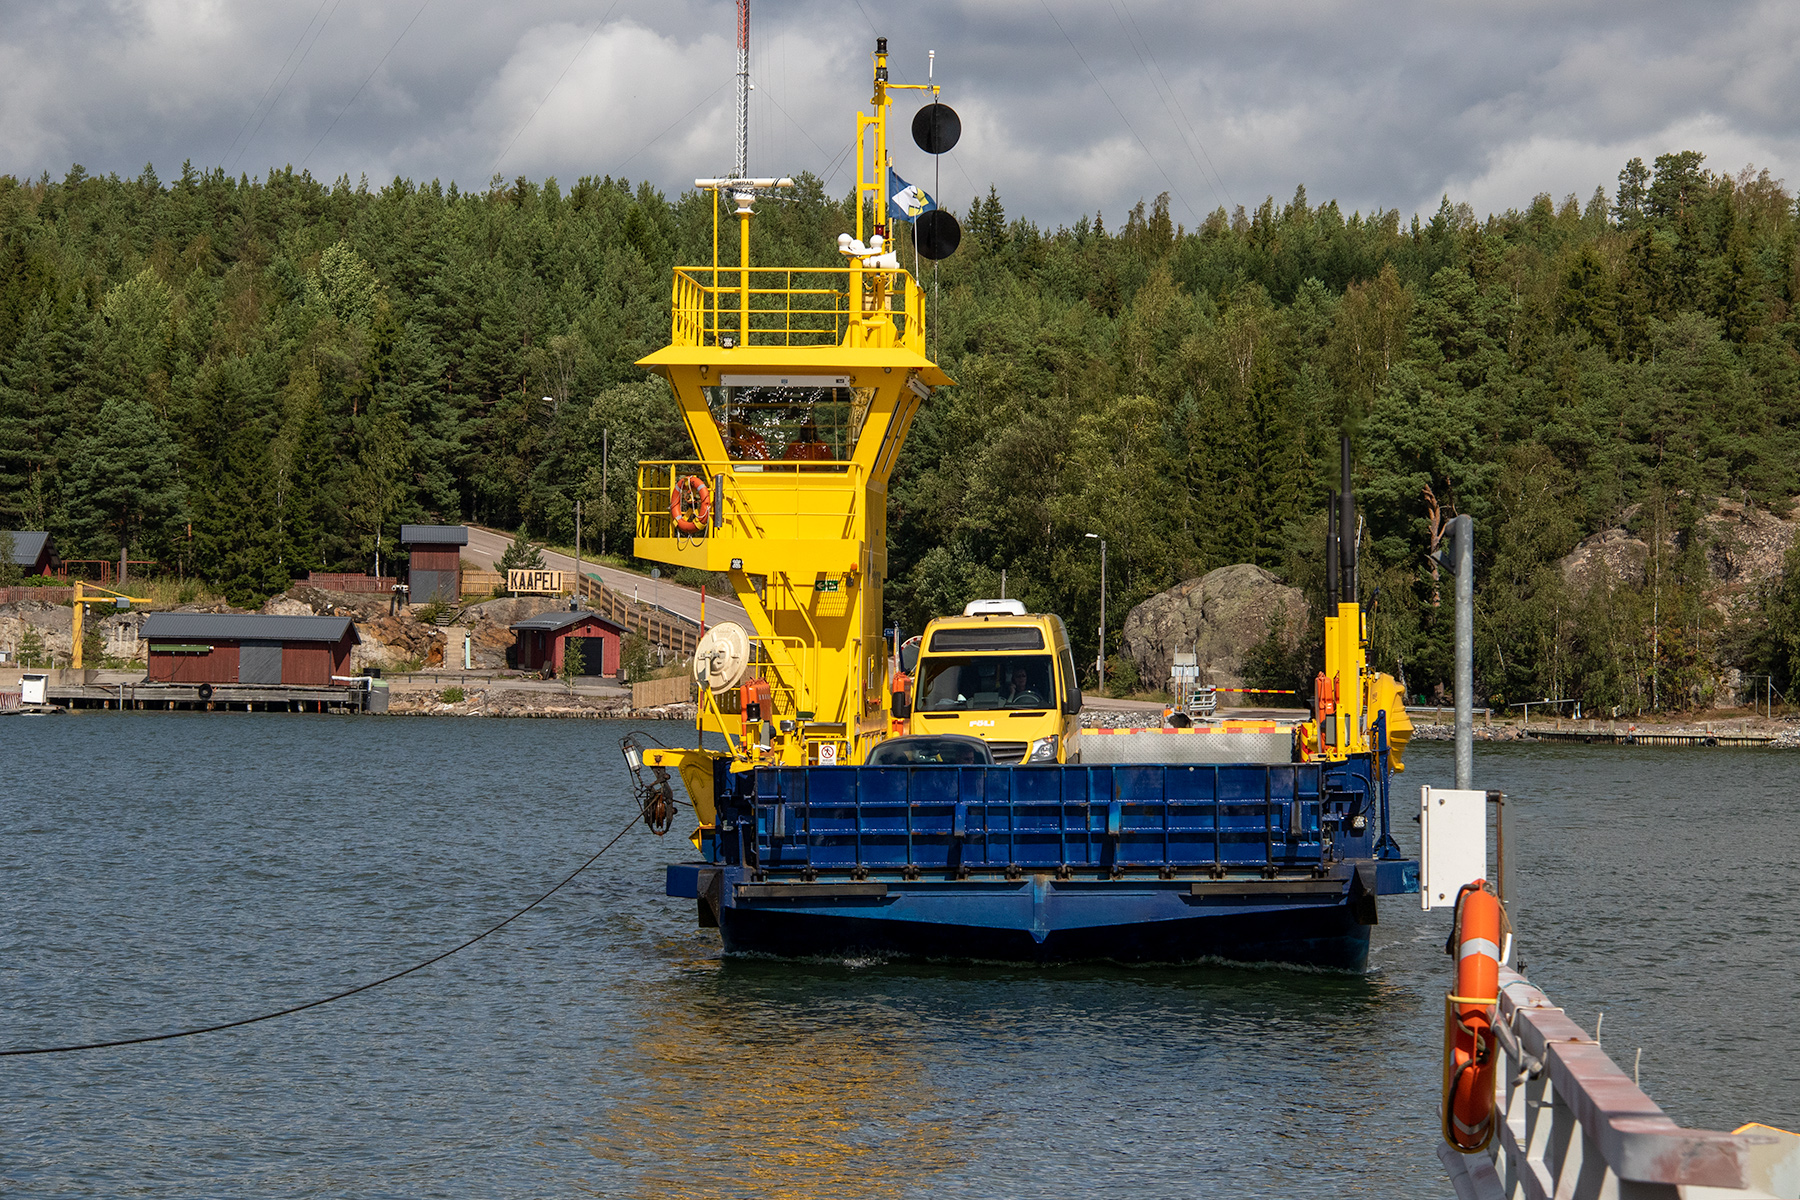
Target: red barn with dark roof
{"x":247,"y":648}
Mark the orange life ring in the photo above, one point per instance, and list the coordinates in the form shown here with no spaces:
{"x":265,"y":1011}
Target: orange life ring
{"x":690,"y":503}
{"x":1471,"y":1056}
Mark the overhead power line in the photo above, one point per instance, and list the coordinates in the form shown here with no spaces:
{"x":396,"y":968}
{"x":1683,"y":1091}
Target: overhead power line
{"x":1167,"y":93}
{"x":1151,"y":154}
{"x":540,"y":105}
{"x":289,"y":80}
{"x":365,"y":83}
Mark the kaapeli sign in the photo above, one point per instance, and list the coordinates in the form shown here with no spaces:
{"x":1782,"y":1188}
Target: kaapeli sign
{"x":535,"y":581}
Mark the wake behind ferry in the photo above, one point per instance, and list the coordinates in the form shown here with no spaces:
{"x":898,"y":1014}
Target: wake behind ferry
{"x":952,"y":805}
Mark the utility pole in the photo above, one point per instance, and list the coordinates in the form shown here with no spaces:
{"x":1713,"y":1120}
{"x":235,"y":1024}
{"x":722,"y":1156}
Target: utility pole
{"x":578,"y":554}
{"x":605,"y":493}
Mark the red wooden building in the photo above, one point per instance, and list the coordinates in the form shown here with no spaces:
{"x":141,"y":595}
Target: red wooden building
{"x":34,"y":552}
{"x":540,"y":642}
{"x":247,"y":648}
{"x":434,"y":565}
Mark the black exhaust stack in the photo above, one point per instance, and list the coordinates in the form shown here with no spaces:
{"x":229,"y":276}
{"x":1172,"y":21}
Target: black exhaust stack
{"x":1346,"y":528}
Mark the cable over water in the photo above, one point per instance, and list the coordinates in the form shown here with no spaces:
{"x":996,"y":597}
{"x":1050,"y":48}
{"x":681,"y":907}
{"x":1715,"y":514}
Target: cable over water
{"x":184,"y":1033}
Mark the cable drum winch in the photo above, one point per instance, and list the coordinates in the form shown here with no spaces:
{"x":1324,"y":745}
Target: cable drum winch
{"x":655,"y":796}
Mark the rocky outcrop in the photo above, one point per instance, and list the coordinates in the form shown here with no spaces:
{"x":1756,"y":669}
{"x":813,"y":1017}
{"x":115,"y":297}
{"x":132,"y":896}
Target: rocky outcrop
{"x":1220,"y":616}
{"x":303,"y":601}
{"x":1744,"y":547}
{"x":1611,"y":554}
{"x":53,"y":630}
{"x":393,"y":642}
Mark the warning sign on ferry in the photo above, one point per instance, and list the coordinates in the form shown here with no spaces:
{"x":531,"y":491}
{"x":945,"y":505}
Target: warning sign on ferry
{"x":550,"y":582}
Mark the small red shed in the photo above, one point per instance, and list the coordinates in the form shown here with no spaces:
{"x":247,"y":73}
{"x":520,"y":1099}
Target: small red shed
{"x":434,"y":565}
{"x":540,"y":641}
{"x":247,"y":648}
{"x":34,"y":552}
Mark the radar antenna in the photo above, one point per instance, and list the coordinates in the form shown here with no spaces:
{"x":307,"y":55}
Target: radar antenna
{"x":743,"y":111}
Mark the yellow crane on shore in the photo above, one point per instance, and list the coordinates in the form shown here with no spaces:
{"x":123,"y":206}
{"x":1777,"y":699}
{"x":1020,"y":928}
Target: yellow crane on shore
{"x":82,"y":600}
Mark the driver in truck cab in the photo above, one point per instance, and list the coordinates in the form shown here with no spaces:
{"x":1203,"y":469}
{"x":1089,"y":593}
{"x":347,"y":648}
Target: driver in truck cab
{"x":997,"y":673}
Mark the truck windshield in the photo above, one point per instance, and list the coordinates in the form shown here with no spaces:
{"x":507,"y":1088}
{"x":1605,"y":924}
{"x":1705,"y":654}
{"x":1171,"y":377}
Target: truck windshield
{"x":954,"y":683}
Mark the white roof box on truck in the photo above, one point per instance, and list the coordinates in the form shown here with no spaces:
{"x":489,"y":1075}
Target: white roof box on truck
{"x":994,"y":608}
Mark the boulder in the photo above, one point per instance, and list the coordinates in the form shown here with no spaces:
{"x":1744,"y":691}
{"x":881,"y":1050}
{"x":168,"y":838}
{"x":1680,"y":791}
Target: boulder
{"x":1220,"y":616}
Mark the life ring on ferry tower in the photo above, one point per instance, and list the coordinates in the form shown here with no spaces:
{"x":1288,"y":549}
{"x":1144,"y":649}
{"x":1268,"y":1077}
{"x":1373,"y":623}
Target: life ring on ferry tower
{"x":1470,"y":1057}
{"x":690,"y":503}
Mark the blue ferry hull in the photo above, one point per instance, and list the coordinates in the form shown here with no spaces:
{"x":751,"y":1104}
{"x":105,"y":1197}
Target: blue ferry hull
{"x":1133,"y":863}
{"x":1326,"y":936}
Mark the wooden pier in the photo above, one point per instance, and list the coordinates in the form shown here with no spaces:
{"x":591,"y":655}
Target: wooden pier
{"x":218,"y":697}
{"x":1642,"y":738}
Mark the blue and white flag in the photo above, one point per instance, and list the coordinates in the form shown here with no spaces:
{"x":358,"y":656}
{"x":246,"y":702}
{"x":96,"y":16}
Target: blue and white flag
{"x":907,"y":202}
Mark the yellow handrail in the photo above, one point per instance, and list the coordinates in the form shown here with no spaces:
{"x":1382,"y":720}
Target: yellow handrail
{"x":782,"y":314}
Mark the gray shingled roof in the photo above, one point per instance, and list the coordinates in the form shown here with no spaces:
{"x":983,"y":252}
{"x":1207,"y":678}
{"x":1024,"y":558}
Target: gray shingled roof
{"x":175,"y":627}
{"x":434,"y":535}
{"x":555,"y":622}
{"x":27,"y":545}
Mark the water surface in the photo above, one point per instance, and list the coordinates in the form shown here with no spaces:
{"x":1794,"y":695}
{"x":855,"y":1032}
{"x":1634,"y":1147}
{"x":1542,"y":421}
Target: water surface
{"x":169,"y":870}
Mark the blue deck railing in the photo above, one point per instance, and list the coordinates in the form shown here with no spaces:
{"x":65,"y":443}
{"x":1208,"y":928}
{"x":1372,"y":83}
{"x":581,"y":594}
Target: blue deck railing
{"x":1178,"y":817}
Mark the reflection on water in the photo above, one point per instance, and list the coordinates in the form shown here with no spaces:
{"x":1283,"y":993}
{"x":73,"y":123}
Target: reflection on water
{"x":723,"y":1094}
{"x":888,"y":1079}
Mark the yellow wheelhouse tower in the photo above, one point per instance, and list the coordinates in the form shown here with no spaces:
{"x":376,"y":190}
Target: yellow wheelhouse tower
{"x":797,"y":386}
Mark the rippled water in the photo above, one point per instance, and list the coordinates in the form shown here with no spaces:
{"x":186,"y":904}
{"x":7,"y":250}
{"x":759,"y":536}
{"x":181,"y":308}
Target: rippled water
{"x":164,"y":871}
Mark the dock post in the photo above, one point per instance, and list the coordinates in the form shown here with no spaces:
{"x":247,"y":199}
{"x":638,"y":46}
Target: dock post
{"x":1462,"y":541}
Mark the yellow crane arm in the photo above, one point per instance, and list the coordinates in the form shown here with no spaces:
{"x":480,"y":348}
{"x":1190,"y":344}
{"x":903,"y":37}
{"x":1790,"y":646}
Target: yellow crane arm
{"x":82,"y":600}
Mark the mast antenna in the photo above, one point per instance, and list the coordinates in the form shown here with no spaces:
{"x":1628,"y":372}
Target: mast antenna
{"x":743,"y":97}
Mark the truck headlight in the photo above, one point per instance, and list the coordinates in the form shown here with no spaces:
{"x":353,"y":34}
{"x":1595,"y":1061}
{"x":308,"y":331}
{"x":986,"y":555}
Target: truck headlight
{"x":1043,"y":750}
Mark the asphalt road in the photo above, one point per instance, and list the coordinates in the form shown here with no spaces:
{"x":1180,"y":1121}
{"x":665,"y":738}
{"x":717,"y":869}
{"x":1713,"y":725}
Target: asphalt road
{"x":486,"y":546}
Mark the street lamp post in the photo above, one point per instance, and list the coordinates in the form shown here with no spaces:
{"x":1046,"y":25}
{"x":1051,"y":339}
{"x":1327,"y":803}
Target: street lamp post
{"x":1100,"y":662}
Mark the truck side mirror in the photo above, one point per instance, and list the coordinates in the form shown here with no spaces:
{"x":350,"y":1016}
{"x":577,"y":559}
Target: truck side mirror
{"x":1071,"y":704}
{"x":902,"y":706}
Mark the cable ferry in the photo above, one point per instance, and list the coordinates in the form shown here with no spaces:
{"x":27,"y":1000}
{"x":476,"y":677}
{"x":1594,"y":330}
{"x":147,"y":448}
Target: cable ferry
{"x":952,"y":806}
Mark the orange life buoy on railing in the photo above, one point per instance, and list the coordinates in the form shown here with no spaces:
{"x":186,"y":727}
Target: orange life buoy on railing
{"x":1470,"y":1052}
{"x":690,"y":503}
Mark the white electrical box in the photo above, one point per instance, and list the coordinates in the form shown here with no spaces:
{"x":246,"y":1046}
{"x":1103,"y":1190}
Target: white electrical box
{"x":1453,"y":838}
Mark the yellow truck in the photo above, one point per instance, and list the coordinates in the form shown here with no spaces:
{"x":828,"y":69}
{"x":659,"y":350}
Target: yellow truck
{"x":1000,"y":674}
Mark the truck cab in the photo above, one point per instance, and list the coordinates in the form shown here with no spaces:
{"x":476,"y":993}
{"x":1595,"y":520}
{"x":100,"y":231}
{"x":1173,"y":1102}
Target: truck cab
{"x":1000,"y":674}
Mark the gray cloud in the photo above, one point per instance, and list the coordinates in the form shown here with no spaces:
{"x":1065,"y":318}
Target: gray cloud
{"x":1069,"y":106}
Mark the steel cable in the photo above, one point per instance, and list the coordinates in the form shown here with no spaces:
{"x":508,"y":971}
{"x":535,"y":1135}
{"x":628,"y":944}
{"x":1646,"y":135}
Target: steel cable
{"x":164,"y":1037}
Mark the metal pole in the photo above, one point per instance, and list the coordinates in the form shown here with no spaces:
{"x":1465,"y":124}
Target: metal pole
{"x":743,"y":89}
{"x":605,"y":492}
{"x":1464,"y":534}
{"x":578,"y":553}
{"x":1103,"y":614}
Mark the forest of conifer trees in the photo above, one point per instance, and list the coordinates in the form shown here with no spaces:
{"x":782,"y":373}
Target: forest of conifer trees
{"x":249,"y":379}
